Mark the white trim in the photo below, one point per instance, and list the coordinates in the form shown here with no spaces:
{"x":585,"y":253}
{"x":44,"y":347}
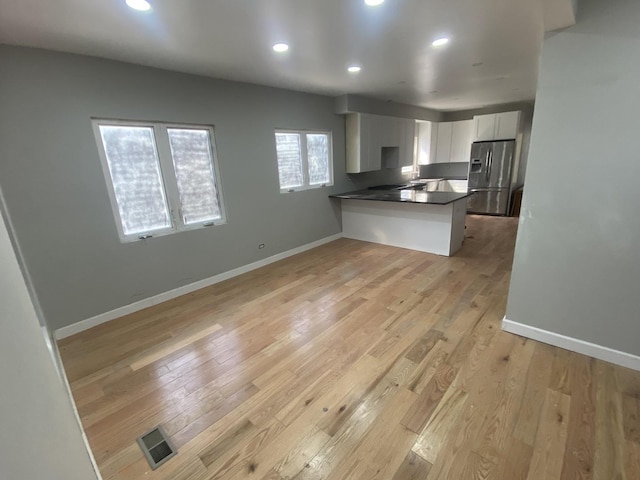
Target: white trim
{"x":575,"y":345}
{"x":88,"y":323}
{"x":304,"y":158}
{"x":166,"y":175}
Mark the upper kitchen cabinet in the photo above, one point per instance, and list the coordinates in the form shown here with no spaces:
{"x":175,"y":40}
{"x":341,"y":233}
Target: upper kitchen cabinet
{"x":461,"y":140}
{"x":496,"y":126}
{"x":445,"y":142}
{"x":407,"y":141}
{"x":358,"y":131}
{"x":376,"y":141}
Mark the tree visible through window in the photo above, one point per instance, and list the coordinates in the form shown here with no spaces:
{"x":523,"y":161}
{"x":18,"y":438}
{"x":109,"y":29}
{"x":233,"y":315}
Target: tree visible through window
{"x":161,"y":178}
{"x":304,"y":159}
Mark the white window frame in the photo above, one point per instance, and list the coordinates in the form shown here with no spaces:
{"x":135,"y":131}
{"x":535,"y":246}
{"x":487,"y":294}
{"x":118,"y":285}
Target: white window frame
{"x":167,"y":177}
{"x":305,"y":160}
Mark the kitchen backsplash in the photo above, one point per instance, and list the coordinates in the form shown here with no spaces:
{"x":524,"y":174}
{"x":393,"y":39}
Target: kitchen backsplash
{"x":445,"y":170}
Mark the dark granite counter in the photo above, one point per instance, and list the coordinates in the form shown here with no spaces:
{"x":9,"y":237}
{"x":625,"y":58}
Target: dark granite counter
{"x":405,"y":196}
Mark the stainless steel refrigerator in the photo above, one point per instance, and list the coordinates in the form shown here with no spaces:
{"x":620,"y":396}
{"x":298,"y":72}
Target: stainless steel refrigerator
{"x":490,"y":170}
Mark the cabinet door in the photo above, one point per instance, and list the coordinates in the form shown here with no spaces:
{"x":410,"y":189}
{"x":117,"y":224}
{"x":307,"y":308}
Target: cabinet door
{"x":375,"y":132}
{"x":484,"y":127}
{"x":461,"y":140}
{"x":426,"y":131}
{"x":395,"y":132}
{"x":379,"y":127}
{"x":443,"y":142}
{"x":364,"y":135}
{"x":355,"y":143}
{"x":507,"y":125}
{"x":408,"y":130}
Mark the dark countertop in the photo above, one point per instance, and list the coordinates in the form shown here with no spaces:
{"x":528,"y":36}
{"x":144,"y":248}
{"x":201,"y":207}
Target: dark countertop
{"x":404,"y":196}
{"x":445,"y":177}
{"x":455,"y":177}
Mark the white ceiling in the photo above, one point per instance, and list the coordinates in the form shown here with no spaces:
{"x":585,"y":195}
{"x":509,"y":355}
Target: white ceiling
{"x":232,"y":39}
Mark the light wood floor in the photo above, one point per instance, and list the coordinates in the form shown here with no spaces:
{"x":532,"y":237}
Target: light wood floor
{"x":354,"y":361}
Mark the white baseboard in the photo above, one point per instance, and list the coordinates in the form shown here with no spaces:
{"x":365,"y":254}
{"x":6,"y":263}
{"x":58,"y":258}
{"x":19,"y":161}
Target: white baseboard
{"x":575,"y":345}
{"x":88,"y":323}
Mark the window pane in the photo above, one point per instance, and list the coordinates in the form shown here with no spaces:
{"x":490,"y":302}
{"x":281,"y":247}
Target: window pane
{"x":289,"y":160}
{"x":135,"y":172}
{"x":318,"y":156}
{"x":193,"y":163}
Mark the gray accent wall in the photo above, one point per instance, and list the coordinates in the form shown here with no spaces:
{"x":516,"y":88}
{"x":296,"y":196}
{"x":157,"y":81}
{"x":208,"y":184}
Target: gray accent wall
{"x":359,"y":104}
{"x":576,"y":270}
{"x":56,"y":194}
{"x":454,"y":170}
{"x":525,"y":107}
{"x":40,"y":436}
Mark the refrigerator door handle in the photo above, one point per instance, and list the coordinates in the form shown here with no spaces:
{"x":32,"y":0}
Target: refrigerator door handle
{"x":488,"y":165}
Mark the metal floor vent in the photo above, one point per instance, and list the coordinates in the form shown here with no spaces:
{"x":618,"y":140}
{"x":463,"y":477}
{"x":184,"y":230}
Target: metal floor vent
{"x":156,"y":447}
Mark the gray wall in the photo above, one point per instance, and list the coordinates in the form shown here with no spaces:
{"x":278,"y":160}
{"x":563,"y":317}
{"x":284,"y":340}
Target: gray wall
{"x":526,"y":107}
{"x":455,"y":170}
{"x":577,"y":266}
{"x":40,"y":437}
{"x":57,"y":198}
{"x":359,"y":104}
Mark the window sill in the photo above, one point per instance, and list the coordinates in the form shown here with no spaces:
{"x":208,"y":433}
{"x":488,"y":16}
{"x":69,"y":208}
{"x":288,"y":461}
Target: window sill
{"x":307,"y":187}
{"x":163,"y":233}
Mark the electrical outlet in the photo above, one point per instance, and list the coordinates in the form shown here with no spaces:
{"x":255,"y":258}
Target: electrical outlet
{"x":261,"y":246}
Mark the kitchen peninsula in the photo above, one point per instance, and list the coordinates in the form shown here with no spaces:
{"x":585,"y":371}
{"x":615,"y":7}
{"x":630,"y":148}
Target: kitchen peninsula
{"x":430,"y":222}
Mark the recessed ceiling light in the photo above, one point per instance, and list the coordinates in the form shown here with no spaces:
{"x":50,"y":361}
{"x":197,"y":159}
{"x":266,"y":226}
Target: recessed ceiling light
{"x":374,"y":3}
{"x":354,"y":69}
{"x":280,"y":47}
{"x":440,"y":41}
{"x":141,"y":5}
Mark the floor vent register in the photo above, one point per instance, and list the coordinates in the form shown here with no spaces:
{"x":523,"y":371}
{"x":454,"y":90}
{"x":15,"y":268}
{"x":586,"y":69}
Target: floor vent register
{"x":156,"y":447}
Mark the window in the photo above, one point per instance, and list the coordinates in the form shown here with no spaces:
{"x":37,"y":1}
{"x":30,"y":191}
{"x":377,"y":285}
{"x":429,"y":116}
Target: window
{"x":161,"y":178}
{"x":304,"y":159}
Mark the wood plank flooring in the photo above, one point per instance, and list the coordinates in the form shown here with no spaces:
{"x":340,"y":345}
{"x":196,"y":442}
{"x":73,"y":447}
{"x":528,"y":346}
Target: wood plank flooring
{"x":354,"y":361}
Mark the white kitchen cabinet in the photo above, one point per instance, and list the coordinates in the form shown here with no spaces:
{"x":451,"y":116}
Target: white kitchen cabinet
{"x":484,"y":127}
{"x":359,"y":156}
{"x":367,"y":136}
{"x":507,"y":124}
{"x":443,"y":142}
{"x":461,"y":140}
{"x":357,"y":130}
{"x":496,"y":126}
{"x":425,"y":137}
{"x":407,"y":141}
{"x":451,"y":141}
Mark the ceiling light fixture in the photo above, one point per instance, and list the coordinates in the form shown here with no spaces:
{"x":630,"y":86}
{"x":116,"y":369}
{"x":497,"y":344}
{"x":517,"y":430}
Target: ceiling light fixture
{"x":354,"y":69}
{"x":140,"y":5}
{"x":440,"y":41}
{"x":374,"y":3}
{"x":280,"y":47}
